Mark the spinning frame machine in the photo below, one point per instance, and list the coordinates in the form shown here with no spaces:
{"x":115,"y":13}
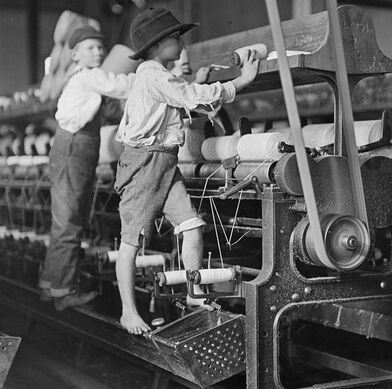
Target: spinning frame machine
{"x":291,"y":239}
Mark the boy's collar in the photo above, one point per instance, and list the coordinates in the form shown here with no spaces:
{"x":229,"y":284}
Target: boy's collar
{"x":150,"y":64}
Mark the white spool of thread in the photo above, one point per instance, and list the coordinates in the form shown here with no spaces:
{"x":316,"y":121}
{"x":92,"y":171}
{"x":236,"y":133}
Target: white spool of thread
{"x":212,"y":276}
{"x":237,"y":57}
{"x":107,"y":151}
{"x":318,"y":135}
{"x":174,"y":277}
{"x":6,"y":144}
{"x":207,"y":169}
{"x":29,"y":141}
{"x":16,"y":145}
{"x":141,"y":260}
{"x":41,"y":143}
{"x":194,"y":137}
{"x":367,"y":131}
{"x":188,"y":170}
{"x":220,"y":148}
{"x":259,"y":147}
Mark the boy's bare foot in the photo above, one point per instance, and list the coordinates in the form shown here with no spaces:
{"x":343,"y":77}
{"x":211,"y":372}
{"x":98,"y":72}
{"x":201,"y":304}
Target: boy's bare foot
{"x":134,"y":324}
{"x":199,"y":303}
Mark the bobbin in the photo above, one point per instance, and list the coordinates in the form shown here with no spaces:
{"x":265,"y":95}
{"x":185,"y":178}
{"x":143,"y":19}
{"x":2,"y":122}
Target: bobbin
{"x":169,"y":278}
{"x":212,"y":276}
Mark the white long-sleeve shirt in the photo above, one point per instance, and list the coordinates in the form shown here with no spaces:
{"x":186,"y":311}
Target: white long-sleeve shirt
{"x":152,"y":109}
{"x":81,"y":97}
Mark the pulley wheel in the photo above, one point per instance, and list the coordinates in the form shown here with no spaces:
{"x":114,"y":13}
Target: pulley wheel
{"x":346,"y":240}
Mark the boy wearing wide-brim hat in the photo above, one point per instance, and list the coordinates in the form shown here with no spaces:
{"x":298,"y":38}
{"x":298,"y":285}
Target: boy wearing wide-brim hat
{"x":73,"y":160}
{"x":148,"y":179}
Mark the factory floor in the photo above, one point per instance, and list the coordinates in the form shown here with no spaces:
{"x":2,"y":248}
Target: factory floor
{"x":49,"y":358}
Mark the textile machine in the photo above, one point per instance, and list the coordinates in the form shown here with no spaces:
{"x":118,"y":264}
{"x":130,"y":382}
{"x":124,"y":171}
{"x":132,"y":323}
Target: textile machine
{"x":297,"y":243}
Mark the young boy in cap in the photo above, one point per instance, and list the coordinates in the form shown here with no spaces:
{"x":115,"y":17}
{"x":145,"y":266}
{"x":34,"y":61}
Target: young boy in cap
{"x":73,"y":160}
{"x":152,"y":130}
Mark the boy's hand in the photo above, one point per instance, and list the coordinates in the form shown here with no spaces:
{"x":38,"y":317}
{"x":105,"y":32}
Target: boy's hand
{"x":202,"y":74}
{"x":250,"y":67}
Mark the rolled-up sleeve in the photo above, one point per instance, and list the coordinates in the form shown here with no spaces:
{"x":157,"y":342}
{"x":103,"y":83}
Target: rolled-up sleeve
{"x":109,"y":84}
{"x":177,"y":92}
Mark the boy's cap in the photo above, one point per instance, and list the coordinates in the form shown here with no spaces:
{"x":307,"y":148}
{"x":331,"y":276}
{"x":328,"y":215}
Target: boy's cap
{"x":152,"y":25}
{"x":83,"y":33}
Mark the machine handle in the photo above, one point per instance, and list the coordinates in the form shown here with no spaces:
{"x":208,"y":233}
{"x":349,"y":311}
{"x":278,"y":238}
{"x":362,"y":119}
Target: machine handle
{"x":252,"y":181}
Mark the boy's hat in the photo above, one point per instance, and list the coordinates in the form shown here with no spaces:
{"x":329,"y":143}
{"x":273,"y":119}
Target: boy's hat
{"x":152,"y":25}
{"x":83,"y":33}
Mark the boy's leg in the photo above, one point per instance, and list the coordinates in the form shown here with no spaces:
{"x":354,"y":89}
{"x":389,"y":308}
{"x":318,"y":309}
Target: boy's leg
{"x":192,"y":256}
{"x":143,"y":180}
{"x":72,"y":174}
{"x":180,"y":212}
{"x":125,"y":272}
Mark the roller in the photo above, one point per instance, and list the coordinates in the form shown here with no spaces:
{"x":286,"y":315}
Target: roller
{"x":220,"y":148}
{"x":141,"y":260}
{"x":188,"y":170}
{"x":206,"y":169}
{"x":174,"y":277}
{"x":259,"y":147}
{"x":367,"y":131}
{"x":237,"y":57}
{"x":263,"y":172}
{"x":319,"y":135}
{"x":212,"y":276}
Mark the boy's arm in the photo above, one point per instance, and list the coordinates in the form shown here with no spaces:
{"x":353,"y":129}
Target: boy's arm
{"x":109,"y":84}
{"x":177,"y":92}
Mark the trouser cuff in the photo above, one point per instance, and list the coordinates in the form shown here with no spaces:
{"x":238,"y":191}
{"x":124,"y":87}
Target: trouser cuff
{"x":189,"y":224}
{"x":60,"y":292}
{"x":44,"y":284}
